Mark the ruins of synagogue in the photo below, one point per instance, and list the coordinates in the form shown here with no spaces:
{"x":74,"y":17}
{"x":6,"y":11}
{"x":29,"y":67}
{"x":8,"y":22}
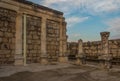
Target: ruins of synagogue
{"x":31,"y":33}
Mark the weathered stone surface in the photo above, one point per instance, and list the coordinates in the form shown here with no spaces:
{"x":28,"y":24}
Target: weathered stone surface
{"x":33,"y":39}
{"x":7,"y":23}
{"x":45,"y":33}
{"x":52,"y":36}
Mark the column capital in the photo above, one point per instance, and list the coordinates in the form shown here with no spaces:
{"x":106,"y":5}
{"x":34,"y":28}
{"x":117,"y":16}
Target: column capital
{"x":80,"y":40}
{"x":105,"y":34}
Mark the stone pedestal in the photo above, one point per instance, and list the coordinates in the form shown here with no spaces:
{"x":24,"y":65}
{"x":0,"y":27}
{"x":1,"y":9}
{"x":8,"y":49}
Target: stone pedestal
{"x":63,"y":59}
{"x":44,"y":60}
{"x":78,"y":61}
{"x":19,"y":60}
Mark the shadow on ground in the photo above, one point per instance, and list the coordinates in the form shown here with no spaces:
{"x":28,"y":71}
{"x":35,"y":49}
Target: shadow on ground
{"x":74,"y":73}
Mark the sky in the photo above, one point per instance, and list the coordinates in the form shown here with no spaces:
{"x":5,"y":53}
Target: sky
{"x":87,"y":18}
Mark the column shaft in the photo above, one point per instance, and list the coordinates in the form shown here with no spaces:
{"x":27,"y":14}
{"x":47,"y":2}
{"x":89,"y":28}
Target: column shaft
{"x":18,"y":42}
{"x":105,"y":49}
{"x":63,"y":43}
{"x":43,"y":42}
{"x":80,"y":56}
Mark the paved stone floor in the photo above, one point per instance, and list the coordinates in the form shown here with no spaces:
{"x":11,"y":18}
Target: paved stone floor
{"x":59,"y":72}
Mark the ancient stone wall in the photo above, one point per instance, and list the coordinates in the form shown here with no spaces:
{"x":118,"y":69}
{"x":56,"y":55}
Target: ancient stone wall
{"x":31,"y":33}
{"x":114,"y":47}
{"x":33,"y":39}
{"x":53,"y":35}
{"x":7,"y":36}
{"x":94,"y":49}
{"x":72,"y":48}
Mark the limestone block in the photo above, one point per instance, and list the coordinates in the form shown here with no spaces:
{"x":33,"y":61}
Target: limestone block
{"x":29,"y":41}
{"x":6,"y":52}
{"x":1,"y":33}
{"x":1,"y":40}
{"x":30,"y":47}
{"x":36,"y":37}
{"x":33,"y":51}
{"x":35,"y":47}
{"x":39,"y":51}
{"x":44,"y":61}
{"x":63,"y":59}
{"x":29,"y":36}
{"x":13,"y":40}
{"x":12,"y":46}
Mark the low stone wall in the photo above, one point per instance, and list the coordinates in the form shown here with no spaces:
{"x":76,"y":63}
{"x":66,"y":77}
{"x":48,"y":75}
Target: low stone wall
{"x":94,"y":48}
{"x":114,"y":47}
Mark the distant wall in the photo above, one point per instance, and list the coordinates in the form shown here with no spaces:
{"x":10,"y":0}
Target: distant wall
{"x":114,"y":47}
{"x":72,"y":48}
{"x":94,"y":48}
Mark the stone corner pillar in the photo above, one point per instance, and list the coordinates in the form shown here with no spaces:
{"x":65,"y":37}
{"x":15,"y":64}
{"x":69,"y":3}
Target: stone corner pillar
{"x":80,"y":55}
{"x":43,"y":57}
{"x":63,"y":43}
{"x":19,"y":60}
{"x":105,"y":56}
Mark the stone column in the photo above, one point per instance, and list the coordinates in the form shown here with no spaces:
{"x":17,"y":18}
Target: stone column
{"x":18,"y":51}
{"x":65,"y":42}
{"x":63,"y":48}
{"x":44,"y":59}
{"x":80,"y":56}
{"x":105,"y":49}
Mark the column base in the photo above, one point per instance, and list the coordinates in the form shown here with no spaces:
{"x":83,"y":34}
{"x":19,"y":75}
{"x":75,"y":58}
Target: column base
{"x":63,"y":59}
{"x":44,"y":60}
{"x":102,"y":64}
{"x":78,"y":62}
{"x":19,"y":61}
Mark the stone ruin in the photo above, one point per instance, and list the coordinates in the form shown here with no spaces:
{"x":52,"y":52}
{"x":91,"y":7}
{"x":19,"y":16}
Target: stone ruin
{"x":105,"y":52}
{"x":31,"y":33}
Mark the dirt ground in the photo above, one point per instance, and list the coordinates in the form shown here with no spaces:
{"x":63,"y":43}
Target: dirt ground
{"x":58,"y":73}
